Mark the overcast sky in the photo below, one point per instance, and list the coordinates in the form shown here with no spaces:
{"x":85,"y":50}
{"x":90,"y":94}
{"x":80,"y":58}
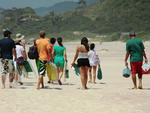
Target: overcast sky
{"x":32,"y":3}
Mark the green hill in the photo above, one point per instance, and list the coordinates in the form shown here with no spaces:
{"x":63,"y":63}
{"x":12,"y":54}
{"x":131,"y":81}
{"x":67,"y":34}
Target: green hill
{"x":105,"y":17}
{"x":120,"y":16}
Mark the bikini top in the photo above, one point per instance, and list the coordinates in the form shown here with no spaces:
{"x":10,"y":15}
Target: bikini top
{"x":82,"y":55}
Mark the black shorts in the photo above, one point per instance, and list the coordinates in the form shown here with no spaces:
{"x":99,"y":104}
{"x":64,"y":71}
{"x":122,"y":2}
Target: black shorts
{"x":83,"y":62}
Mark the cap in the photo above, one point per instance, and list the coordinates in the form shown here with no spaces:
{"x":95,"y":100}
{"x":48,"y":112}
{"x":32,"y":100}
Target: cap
{"x":7,"y":31}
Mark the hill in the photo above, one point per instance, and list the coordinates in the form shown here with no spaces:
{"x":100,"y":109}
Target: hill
{"x":123,"y":15}
{"x":58,"y":8}
{"x":61,"y":7}
{"x":105,"y":17}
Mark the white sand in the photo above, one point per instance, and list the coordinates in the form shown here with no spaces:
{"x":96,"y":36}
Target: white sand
{"x":113,"y":94}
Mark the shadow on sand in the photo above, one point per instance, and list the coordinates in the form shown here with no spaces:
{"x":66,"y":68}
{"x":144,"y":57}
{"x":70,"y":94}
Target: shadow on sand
{"x":47,"y":87}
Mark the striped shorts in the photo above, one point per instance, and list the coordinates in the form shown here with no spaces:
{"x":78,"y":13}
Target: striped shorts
{"x":42,"y":67}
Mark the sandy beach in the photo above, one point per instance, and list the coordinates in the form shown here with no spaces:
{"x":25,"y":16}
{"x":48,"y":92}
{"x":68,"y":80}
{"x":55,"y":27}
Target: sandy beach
{"x":113,"y":94}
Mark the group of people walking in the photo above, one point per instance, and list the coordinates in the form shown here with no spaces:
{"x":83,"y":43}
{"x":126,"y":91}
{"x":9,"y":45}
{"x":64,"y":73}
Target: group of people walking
{"x":13,"y":54}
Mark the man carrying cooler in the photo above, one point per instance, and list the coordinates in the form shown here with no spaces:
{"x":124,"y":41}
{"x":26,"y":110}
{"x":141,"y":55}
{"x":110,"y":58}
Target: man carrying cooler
{"x":135,"y":49}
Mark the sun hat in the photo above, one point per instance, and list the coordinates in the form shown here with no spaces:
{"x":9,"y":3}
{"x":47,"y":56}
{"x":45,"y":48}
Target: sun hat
{"x":19,"y":37}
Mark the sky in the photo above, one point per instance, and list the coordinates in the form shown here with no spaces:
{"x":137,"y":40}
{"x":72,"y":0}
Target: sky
{"x":7,"y":4}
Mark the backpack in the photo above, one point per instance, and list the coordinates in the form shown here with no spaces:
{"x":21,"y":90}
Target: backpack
{"x":33,"y":53}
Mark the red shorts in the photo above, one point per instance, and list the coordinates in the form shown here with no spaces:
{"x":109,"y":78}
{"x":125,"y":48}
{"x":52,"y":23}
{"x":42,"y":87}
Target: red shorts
{"x":136,"y":68}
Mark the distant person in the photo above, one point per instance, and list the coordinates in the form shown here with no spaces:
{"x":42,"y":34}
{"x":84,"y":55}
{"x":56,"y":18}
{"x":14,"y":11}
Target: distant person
{"x":52,"y":43}
{"x":83,"y":61}
{"x":7,"y":46}
{"x":94,"y":62}
{"x":135,"y":49}
{"x":42,"y":45}
{"x":60,"y":57}
{"x":21,"y":57}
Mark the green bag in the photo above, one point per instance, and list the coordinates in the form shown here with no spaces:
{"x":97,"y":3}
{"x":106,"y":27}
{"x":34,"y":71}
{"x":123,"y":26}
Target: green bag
{"x":99,"y":73}
{"x":126,"y":72}
{"x":27,"y":66}
{"x":76,"y":68}
{"x":66,"y":71}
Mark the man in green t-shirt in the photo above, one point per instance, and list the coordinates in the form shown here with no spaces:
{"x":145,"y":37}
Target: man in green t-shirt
{"x":135,"y":49}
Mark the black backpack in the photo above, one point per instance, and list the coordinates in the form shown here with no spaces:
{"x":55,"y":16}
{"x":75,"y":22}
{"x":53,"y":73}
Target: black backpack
{"x":33,"y":53}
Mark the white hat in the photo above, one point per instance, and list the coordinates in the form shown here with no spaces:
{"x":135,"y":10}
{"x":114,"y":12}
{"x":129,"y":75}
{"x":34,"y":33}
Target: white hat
{"x":19,"y":37}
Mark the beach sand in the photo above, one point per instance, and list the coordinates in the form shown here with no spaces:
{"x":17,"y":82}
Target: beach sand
{"x":113,"y":94}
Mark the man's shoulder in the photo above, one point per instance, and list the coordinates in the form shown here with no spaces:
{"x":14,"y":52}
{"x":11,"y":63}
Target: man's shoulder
{"x":7,"y":39}
{"x":139,"y":39}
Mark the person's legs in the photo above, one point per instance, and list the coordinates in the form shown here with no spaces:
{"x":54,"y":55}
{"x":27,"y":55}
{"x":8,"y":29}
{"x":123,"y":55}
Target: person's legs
{"x":134,"y":81}
{"x":39,"y":81}
{"x":41,"y":71}
{"x":58,"y":76}
{"x":3,"y":81}
{"x":134,"y":70}
{"x":11,"y":78}
{"x":90,"y":74}
{"x":140,"y":75}
{"x":94,"y":73}
{"x":86,"y":76}
{"x":140,"y":84}
{"x":42,"y":82}
{"x":61,"y":71}
{"x":82,"y":71}
{"x":20,"y":70}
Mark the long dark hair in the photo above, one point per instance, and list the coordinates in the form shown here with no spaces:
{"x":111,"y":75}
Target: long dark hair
{"x":59,"y":40}
{"x":84,"y":41}
{"x":18,"y":42}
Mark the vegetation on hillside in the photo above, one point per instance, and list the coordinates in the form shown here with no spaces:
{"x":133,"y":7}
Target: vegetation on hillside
{"x":106,"y":17}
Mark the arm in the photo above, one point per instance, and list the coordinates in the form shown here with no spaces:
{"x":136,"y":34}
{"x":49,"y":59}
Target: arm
{"x":65,"y":55}
{"x":24,"y":54}
{"x":75,"y":57}
{"x":143,"y":49}
{"x":14,"y":53}
{"x":49,"y":51}
{"x":126,"y":58}
{"x":53,"y":54}
{"x":144,"y":54}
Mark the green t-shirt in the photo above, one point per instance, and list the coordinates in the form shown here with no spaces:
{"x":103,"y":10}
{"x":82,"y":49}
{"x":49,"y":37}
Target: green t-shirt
{"x":135,"y":47}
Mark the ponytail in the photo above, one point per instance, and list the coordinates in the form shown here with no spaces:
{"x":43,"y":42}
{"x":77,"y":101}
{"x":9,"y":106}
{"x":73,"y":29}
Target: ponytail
{"x":59,"y":40}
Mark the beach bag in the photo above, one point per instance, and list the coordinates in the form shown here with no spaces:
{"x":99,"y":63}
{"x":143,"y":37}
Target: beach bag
{"x":66,"y":70}
{"x":20,"y":61}
{"x":126,"y":72}
{"x":51,"y":71}
{"x":76,"y":69}
{"x":146,"y":69}
{"x":27,"y":66}
{"x":99,"y":73}
{"x":33,"y":53}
